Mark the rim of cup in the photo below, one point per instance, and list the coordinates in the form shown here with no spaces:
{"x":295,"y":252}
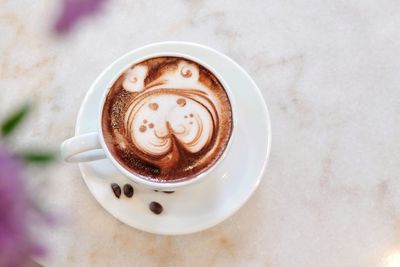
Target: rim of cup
{"x":140,"y":179}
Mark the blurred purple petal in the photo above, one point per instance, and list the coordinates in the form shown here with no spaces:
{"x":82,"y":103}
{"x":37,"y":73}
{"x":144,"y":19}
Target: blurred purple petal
{"x":73,"y":10}
{"x":16,"y":245}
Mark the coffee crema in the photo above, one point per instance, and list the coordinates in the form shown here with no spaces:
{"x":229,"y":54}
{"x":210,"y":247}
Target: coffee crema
{"x":167,"y":119}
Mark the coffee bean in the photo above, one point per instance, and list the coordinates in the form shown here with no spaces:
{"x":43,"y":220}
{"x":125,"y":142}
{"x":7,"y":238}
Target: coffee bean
{"x":128,"y":190}
{"x":116,"y":189}
{"x":156,"y":207}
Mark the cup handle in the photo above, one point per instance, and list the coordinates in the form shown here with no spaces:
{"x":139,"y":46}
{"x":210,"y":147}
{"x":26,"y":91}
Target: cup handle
{"x":82,"y":148}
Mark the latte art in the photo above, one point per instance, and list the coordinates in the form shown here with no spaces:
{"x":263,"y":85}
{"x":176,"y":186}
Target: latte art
{"x":167,"y":119}
{"x":182,"y":115}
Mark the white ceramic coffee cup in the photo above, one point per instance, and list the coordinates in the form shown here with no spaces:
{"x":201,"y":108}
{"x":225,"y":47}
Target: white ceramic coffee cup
{"x":92,"y":146}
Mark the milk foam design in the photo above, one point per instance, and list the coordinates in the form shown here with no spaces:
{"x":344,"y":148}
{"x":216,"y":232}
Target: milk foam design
{"x":174,"y":108}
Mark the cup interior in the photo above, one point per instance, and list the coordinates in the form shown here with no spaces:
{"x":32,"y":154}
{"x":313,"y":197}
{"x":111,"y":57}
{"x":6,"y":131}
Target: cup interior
{"x":140,"y":179}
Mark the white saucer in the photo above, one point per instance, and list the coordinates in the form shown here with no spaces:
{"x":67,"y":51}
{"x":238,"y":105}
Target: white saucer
{"x":210,"y":202}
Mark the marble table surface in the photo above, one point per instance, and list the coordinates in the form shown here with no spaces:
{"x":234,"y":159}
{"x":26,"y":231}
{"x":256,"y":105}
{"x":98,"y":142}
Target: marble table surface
{"x":329,"y":73}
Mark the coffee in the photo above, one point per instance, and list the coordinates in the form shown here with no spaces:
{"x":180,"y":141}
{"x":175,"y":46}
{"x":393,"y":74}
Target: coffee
{"x":167,"y":119}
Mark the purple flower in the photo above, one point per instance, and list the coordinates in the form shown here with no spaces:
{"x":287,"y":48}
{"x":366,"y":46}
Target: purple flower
{"x":16,"y":245}
{"x":73,"y":10}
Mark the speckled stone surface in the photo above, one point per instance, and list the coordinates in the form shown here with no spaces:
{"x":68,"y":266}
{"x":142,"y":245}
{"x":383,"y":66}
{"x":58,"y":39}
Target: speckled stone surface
{"x":329,"y":72}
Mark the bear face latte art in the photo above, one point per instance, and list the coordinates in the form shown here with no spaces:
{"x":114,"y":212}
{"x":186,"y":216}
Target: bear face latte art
{"x":167,"y":119}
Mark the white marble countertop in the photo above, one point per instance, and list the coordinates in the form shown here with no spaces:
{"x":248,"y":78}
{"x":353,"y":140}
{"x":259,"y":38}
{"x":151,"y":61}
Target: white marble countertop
{"x":329,"y":72}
